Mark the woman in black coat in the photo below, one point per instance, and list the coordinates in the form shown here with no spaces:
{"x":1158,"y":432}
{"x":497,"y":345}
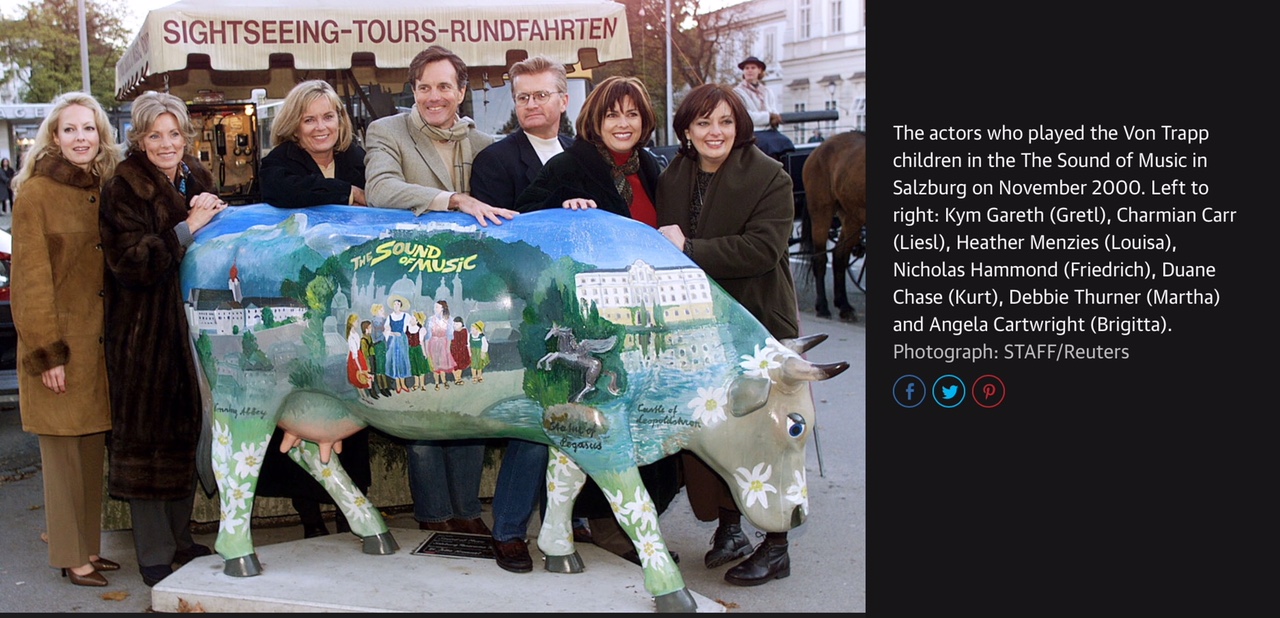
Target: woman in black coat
{"x":314,"y":161}
{"x":607,"y":166}
{"x":157,"y":200}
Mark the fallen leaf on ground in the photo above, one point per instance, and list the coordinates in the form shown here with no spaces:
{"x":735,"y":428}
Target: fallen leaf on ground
{"x":115,"y":595}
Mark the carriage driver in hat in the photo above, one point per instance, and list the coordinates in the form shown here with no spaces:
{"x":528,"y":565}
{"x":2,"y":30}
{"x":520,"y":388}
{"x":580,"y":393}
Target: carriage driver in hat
{"x":762,"y":105}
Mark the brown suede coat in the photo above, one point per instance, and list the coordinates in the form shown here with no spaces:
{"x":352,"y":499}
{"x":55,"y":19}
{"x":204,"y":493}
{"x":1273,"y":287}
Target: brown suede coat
{"x":56,"y":297}
{"x":155,"y":398}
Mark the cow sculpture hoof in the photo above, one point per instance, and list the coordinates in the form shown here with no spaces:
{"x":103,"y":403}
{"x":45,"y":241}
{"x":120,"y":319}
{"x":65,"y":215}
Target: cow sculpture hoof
{"x":678,"y":601}
{"x":571,"y":563}
{"x":244,"y":566}
{"x":381,"y":544}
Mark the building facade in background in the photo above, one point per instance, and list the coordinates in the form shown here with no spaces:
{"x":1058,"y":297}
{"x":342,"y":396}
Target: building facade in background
{"x":816,"y":52}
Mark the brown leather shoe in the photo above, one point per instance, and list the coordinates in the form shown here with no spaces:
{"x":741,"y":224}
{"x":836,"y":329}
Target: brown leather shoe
{"x":471,"y":526}
{"x":512,"y":555}
{"x":438,"y":526}
{"x":102,"y":564}
{"x":92,"y":578}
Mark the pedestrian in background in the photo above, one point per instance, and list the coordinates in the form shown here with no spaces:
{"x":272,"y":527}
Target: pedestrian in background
{"x":159,"y":198}
{"x":58,"y":314}
{"x":6,"y":190}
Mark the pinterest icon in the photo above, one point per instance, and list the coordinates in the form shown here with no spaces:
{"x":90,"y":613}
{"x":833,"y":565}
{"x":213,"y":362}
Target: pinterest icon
{"x":988,"y":391}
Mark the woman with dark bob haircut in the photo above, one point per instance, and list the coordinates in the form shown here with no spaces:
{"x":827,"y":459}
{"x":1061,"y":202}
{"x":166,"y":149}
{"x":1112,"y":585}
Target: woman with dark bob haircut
{"x":607,"y":166}
{"x":729,"y":207}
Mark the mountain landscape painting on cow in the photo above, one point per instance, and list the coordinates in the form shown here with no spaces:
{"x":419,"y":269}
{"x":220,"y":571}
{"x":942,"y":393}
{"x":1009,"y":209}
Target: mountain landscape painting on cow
{"x":581,"y":330}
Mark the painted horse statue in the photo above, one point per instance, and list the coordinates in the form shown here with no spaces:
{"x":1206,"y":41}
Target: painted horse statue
{"x":281,"y":303}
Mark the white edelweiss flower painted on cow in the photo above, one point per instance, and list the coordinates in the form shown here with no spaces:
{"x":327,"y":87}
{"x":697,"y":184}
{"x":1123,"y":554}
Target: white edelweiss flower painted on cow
{"x":230,"y":524}
{"x":236,"y":496}
{"x":615,"y":501}
{"x":557,"y":491}
{"x":359,"y":503}
{"x":641,"y":512}
{"x":753,"y":486}
{"x":708,"y":406}
{"x":248,"y":460}
{"x":562,"y":465}
{"x":758,"y":365}
{"x":798,"y":493}
{"x":653,"y":553}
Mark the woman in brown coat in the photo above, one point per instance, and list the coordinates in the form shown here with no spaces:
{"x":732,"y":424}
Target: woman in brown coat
{"x":730,"y":208}
{"x":151,"y":208}
{"x":57,"y":310}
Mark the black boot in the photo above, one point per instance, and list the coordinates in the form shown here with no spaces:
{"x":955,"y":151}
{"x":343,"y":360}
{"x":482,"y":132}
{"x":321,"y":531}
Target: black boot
{"x":312,"y":521}
{"x":770,"y":562}
{"x":729,"y":543}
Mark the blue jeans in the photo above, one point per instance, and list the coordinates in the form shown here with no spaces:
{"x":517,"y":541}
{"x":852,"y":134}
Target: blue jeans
{"x":521,"y":485}
{"x":444,"y":479}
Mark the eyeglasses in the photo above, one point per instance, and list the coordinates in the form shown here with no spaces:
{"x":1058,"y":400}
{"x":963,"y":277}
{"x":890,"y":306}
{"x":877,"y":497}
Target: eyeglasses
{"x":538,"y":97}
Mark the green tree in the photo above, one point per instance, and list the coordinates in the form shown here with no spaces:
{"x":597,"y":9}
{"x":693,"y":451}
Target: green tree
{"x":268,"y":318}
{"x":697,"y":37}
{"x":45,"y":38}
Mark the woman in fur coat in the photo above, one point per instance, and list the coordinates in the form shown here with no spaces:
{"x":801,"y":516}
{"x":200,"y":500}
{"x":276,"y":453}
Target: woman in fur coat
{"x":159,"y":197}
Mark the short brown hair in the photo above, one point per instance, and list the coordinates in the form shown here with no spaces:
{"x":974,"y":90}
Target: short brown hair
{"x":609,"y":94}
{"x":436,"y":53}
{"x":703,"y":100}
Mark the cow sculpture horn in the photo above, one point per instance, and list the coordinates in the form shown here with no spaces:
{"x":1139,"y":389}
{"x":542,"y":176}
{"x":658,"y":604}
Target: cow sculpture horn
{"x":797,"y":370}
{"x":800,"y":345}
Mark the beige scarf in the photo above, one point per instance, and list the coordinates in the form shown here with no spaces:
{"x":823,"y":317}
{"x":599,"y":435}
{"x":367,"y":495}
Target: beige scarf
{"x":462,"y":153}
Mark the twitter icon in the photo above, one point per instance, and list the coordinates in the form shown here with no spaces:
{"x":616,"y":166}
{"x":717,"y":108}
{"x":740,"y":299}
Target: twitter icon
{"x":948,"y":391}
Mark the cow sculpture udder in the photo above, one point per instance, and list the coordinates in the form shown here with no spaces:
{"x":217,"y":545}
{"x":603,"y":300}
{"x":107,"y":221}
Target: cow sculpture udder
{"x":588,"y":332}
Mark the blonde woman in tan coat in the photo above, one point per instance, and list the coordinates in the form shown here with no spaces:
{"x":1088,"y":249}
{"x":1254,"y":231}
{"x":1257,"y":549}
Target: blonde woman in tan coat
{"x":58,"y":311}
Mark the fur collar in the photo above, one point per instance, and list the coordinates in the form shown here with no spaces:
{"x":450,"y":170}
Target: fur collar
{"x":146,"y":179}
{"x":64,"y":172}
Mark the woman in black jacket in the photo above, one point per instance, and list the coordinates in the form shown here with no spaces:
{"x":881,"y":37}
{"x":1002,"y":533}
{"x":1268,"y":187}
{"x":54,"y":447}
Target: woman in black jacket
{"x":314,"y":159}
{"x":607,"y":166}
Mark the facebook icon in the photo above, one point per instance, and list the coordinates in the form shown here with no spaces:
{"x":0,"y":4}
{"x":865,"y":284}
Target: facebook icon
{"x":908,"y":391}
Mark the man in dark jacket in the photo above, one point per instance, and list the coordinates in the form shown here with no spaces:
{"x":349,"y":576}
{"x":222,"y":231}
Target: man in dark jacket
{"x":498,"y":175}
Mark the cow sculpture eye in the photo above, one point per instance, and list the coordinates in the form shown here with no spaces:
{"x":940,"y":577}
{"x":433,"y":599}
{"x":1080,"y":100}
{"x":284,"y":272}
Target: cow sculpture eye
{"x":795,"y":425}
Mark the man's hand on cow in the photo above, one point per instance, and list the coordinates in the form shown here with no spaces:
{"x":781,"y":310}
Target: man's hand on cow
{"x":483,"y":212}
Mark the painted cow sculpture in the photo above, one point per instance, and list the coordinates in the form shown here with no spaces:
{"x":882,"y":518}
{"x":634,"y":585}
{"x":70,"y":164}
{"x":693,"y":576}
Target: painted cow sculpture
{"x":584,"y":331}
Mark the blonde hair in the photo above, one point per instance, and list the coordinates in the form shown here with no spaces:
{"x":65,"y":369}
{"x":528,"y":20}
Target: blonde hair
{"x":352,"y":320}
{"x":285,"y":127}
{"x":149,"y":107}
{"x":104,"y":164}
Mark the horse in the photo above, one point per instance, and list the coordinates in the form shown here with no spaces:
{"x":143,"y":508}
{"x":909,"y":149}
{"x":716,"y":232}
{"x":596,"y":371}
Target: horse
{"x":835,"y":185}
{"x":578,"y":354}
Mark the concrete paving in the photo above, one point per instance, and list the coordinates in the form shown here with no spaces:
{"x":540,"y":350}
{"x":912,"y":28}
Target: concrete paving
{"x":330,"y":574}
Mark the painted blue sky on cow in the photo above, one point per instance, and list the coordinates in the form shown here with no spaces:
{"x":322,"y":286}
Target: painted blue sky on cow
{"x":259,"y":237}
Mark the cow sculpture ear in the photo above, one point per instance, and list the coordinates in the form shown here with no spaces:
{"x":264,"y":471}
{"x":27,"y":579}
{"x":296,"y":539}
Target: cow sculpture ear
{"x":747,"y":394}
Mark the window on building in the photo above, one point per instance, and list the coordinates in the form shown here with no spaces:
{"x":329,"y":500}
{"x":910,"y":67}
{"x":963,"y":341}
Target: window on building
{"x":837,"y":16}
{"x":799,"y":107}
{"x":805,"y":19}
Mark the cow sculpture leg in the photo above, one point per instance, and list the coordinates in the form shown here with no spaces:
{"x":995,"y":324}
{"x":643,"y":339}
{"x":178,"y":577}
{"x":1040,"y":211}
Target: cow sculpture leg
{"x":365,"y":519}
{"x":239,"y":446}
{"x":635,"y":512}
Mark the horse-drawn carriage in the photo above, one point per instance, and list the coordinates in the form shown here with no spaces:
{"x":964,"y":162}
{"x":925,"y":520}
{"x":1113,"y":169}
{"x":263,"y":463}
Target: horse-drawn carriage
{"x":836,"y":200}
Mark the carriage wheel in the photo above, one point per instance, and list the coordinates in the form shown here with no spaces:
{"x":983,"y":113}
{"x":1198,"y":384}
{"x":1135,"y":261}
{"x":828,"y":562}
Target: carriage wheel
{"x":858,"y":265}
